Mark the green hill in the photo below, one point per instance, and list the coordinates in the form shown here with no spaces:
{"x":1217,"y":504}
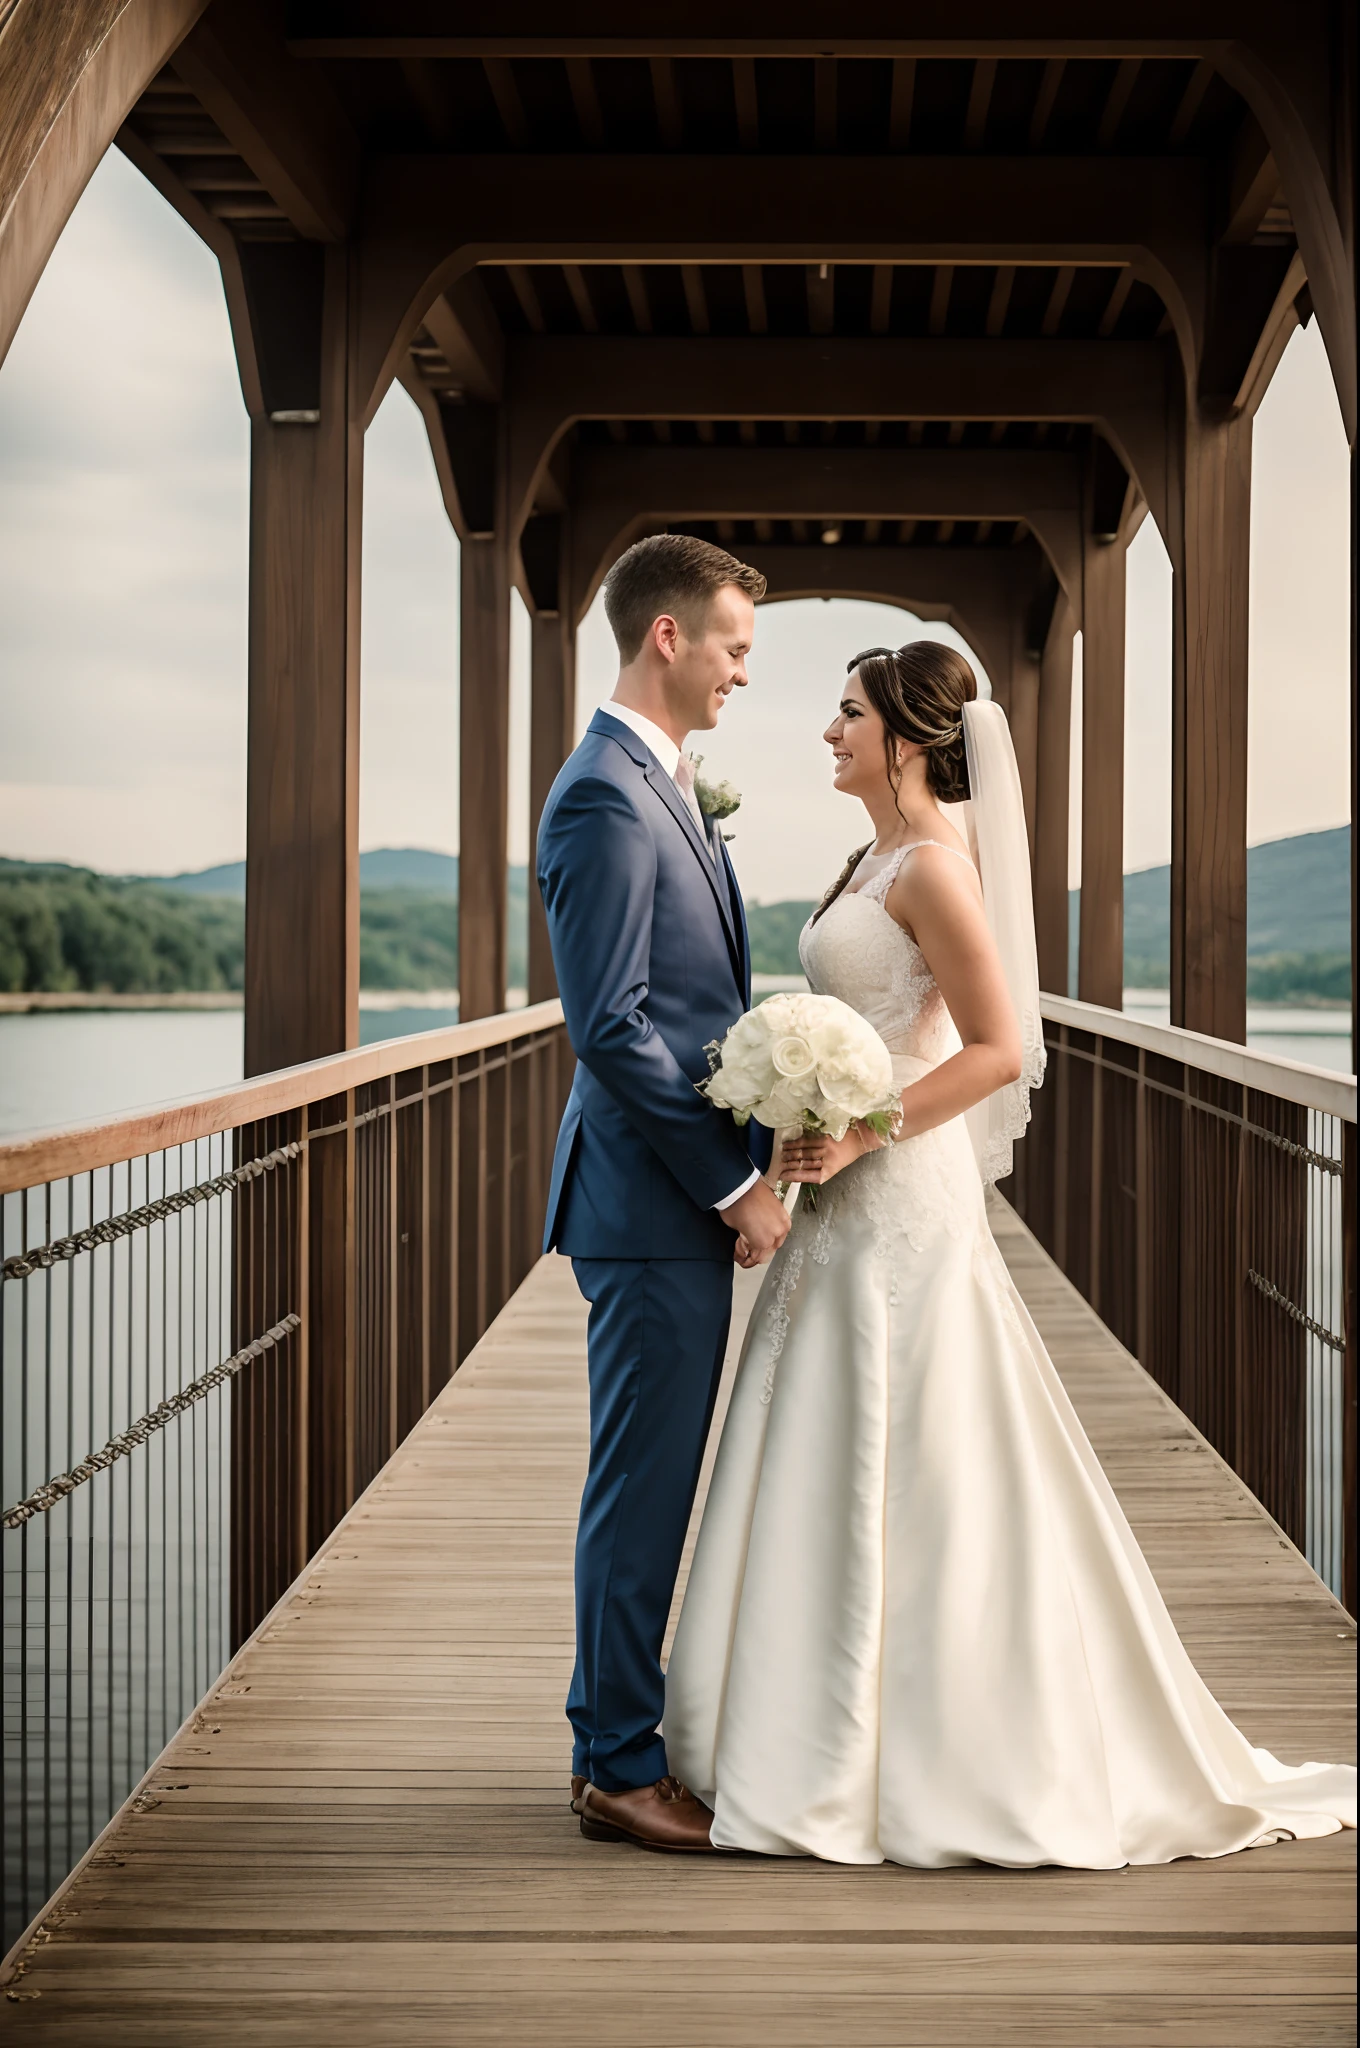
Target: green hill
{"x":64,"y":928}
{"x":69,"y":928}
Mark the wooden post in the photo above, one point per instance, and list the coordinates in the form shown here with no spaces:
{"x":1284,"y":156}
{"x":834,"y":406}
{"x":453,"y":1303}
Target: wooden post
{"x":545,"y":554}
{"x":1053,"y":798}
{"x":1209,"y":732}
{"x":551,"y":740}
{"x":1023,"y":711}
{"x":483,"y":774}
{"x":302,"y":778}
{"x":1100,"y":960}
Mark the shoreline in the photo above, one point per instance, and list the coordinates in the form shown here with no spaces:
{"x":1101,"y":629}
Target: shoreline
{"x":29,"y":1002}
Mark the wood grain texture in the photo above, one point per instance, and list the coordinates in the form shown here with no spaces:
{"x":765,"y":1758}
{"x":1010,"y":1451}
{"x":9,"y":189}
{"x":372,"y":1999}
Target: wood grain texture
{"x":362,"y":1835}
{"x":1210,"y":634}
{"x":1053,"y":797}
{"x":68,"y":76}
{"x":80,"y":1148}
{"x":1100,"y":954}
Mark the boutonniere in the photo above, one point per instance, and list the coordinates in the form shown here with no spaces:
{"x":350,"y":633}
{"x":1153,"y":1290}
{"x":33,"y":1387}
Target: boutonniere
{"x":716,"y":799}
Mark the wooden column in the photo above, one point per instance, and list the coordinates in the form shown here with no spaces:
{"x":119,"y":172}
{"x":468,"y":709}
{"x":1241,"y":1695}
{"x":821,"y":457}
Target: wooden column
{"x":1100,"y":960}
{"x":1209,"y":732}
{"x":552,"y":736}
{"x":1053,"y":797}
{"x":483,"y":773}
{"x":1023,"y":712}
{"x":302,"y":785}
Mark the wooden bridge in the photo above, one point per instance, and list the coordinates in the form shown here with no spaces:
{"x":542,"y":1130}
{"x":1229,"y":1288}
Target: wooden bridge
{"x":362,"y":1834}
{"x":932,"y":311}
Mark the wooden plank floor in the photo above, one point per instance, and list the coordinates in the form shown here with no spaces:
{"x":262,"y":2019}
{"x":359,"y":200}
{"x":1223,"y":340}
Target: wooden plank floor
{"x":363,"y":1836}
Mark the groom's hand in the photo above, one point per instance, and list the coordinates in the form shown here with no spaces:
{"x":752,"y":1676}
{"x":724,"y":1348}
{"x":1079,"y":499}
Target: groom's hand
{"x":761,"y":1222}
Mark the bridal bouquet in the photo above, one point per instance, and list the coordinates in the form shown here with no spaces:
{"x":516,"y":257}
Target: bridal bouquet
{"x":806,"y":1062}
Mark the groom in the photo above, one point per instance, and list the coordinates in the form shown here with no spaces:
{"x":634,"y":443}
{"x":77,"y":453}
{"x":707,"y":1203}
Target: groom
{"x":649,"y":1182}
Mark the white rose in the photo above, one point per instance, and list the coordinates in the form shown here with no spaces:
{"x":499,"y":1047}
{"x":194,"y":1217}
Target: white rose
{"x":793,"y":1057}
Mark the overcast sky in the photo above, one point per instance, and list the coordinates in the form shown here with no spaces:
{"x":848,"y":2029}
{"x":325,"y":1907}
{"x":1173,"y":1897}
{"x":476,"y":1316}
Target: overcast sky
{"x":123,"y":509}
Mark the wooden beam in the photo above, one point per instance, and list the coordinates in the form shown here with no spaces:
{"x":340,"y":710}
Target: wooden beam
{"x":69,"y":76}
{"x":302,"y":774}
{"x":280,"y":115}
{"x":469,"y":337}
{"x":1053,"y":797}
{"x":1209,"y":732}
{"x":983,"y":596}
{"x":616,"y":492}
{"x":1120,"y":386}
{"x":428,"y":218}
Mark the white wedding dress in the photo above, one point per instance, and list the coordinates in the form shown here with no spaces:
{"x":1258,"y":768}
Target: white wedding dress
{"x":918,"y":1626}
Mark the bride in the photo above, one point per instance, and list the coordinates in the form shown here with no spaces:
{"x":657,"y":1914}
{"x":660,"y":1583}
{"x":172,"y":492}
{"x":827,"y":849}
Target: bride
{"x":918,"y":1626}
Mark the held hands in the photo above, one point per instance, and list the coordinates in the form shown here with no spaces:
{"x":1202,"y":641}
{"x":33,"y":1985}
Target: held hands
{"x":811,"y":1156}
{"x":761,"y":1222}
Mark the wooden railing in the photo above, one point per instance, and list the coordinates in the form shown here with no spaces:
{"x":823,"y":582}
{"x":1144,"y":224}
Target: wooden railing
{"x":1202,"y":1197}
{"x":218,"y":1320}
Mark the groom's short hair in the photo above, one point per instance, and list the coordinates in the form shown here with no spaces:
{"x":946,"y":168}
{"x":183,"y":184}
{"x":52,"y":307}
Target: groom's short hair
{"x":674,"y":574}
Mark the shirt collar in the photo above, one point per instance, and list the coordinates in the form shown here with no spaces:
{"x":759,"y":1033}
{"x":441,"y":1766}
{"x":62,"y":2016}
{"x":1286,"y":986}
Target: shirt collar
{"x":661,"y":743}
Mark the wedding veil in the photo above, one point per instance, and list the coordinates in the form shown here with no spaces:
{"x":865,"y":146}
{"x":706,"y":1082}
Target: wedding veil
{"x":995,"y":820}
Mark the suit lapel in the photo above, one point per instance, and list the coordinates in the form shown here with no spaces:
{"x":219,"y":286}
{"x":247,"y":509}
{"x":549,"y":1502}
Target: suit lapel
{"x":680,"y":811}
{"x":738,"y":911}
{"x":639,"y":751}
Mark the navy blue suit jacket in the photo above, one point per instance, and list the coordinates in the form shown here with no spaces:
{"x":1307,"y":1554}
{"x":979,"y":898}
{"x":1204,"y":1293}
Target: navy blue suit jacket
{"x":652,"y":956}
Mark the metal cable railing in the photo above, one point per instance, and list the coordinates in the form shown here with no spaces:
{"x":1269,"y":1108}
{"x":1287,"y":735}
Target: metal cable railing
{"x":1202,"y":1197}
{"x":216,"y":1324}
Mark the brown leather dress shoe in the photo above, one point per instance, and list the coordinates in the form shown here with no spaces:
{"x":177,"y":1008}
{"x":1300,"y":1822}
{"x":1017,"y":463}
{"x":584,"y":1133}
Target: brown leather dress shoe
{"x":663,"y":1816}
{"x":578,"y":1789}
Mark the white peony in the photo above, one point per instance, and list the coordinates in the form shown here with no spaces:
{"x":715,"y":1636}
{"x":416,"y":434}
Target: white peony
{"x":802,"y":1060}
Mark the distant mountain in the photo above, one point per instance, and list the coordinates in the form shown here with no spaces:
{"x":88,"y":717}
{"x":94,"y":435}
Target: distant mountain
{"x":1298,"y":903}
{"x":389,"y":867}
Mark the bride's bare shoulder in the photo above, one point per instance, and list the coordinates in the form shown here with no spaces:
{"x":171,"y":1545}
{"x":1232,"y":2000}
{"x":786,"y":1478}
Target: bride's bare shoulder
{"x":937,"y":876}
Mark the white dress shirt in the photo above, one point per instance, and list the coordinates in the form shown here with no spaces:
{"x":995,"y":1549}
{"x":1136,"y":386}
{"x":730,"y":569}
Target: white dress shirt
{"x":668,"y":755}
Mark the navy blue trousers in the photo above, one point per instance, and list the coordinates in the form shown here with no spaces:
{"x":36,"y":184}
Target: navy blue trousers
{"x":658,"y":1331}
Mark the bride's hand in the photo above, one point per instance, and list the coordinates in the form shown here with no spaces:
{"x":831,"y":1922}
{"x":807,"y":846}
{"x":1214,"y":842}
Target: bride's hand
{"x":810,"y":1156}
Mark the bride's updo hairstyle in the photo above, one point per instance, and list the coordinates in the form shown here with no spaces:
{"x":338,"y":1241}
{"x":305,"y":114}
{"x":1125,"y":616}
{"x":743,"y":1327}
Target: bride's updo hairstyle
{"x":919,"y":692}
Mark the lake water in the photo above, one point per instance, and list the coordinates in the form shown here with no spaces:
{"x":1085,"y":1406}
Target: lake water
{"x":65,"y":1066}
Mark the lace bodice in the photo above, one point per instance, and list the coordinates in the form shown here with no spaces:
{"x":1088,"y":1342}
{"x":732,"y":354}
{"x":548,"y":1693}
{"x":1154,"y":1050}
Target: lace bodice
{"x":857,"y":951}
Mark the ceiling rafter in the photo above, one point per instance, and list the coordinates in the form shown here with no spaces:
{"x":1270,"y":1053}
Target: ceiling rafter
{"x":1191,"y":101}
{"x":748,"y":106}
{"x":522,"y":284}
{"x":824,"y":103}
{"x":900,"y":103}
{"x":940,"y":290}
{"x":669,"y":120}
{"x":979,"y":102}
{"x":753,"y":286}
{"x":1125,"y":78}
{"x":1043,"y":105}
{"x":509,"y":105}
{"x":635,"y":284}
{"x":580,"y":297}
{"x":999,"y":304}
{"x":585,"y":99}
{"x":1057,"y":299}
{"x":695,"y":301}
